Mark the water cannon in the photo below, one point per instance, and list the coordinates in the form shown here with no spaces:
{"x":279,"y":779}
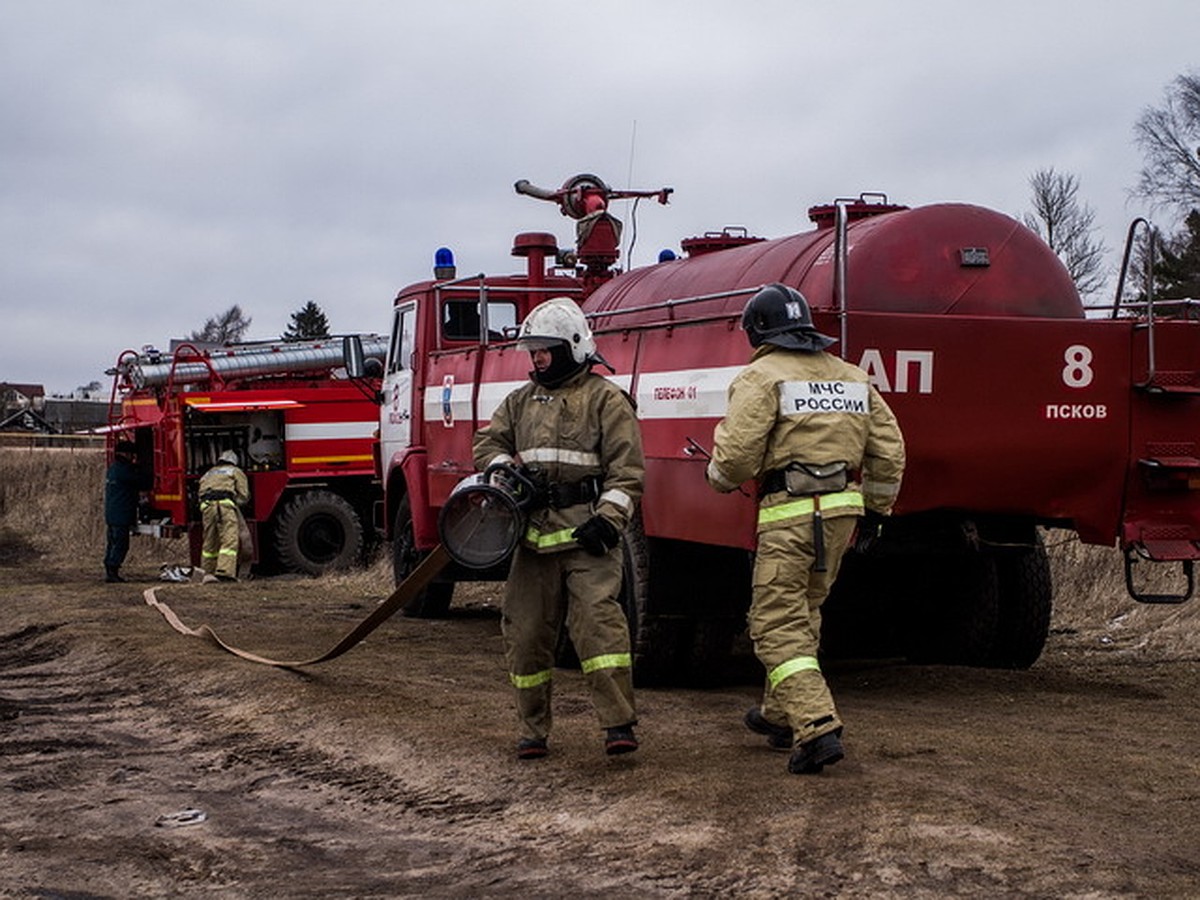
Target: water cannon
{"x":585,"y":199}
{"x":584,"y":195}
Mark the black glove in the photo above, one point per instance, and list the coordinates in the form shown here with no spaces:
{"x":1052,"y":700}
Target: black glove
{"x":870,"y":526}
{"x":597,"y":536}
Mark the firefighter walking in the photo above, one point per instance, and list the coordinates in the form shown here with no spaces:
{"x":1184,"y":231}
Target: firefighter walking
{"x":825,"y":450}
{"x":223,"y":490}
{"x":575,"y":434}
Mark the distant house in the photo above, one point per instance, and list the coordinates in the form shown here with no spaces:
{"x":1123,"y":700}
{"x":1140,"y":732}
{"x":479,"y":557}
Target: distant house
{"x":26,"y":408}
{"x":22,"y":408}
{"x":15,"y":396}
{"x":24,"y":420}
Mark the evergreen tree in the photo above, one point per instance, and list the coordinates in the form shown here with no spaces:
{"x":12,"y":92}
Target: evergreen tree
{"x":1177,"y":272}
{"x":308,"y":324}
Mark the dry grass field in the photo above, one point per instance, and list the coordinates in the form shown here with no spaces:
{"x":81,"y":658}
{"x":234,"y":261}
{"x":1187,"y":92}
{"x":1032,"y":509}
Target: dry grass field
{"x":51,"y":515}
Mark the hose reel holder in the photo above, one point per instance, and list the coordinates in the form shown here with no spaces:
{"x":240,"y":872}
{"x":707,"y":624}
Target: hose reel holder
{"x":485,"y":516}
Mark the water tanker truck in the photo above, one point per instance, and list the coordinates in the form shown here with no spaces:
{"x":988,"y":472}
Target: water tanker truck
{"x":1020,"y":414}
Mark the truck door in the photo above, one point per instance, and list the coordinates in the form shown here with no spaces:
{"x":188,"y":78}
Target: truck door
{"x":395,"y":421}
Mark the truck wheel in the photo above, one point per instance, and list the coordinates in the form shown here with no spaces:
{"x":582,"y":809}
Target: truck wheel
{"x":650,"y":662}
{"x":317,"y":532}
{"x":654,"y":641}
{"x":953,"y":603}
{"x":700,"y":595}
{"x":434,"y":601}
{"x":710,"y":648}
{"x":1026,"y":597}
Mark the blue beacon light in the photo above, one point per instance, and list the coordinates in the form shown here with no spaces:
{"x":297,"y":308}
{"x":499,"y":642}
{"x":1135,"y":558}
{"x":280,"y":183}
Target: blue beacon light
{"x":443,"y":264}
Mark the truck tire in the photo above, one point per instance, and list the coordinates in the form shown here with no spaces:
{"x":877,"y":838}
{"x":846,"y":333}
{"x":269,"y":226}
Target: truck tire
{"x":655,"y":642}
{"x":1026,"y":598}
{"x":952,"y":608}
{"x":700,"y":596}
{"x":649,"y":659}
{"x":317,"y":532}
{"x":434,"y":601}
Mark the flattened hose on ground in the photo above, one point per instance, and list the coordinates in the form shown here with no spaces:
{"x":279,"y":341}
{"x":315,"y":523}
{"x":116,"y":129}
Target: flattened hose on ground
{"x":420,"y":577}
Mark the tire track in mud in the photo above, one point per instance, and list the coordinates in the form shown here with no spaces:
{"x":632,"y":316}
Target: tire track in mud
{"x":271,"y":805}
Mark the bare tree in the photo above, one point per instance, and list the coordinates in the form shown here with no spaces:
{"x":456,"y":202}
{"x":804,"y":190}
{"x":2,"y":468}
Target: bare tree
{"x":1169,"y":137}
{"x":1068,"y":227}
{"x":227,"y":328}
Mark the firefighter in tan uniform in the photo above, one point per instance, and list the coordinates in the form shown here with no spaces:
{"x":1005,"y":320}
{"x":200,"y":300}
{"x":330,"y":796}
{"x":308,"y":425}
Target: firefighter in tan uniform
{"x":576,"y":435}
{"x":223,"y":490}
{"x":825,"y":450}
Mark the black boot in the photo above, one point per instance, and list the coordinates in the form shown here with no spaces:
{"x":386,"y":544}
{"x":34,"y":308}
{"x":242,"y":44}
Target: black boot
{"x":532,"y":748}
{"x":812,"y":756}
{"x":620,"y":740}
{"x":112,"y":576}
{"x":779,"y":737}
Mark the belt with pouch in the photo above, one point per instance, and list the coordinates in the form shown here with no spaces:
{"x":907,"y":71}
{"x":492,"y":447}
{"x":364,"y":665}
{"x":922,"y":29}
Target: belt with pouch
{"x":809,"y":480}
{"x":561,"y":494}
{"x":806,"y":479}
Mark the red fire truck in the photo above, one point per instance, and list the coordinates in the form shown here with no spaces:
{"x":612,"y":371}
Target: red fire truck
{"x":303,"y":432}
{"x":1020,"y":413}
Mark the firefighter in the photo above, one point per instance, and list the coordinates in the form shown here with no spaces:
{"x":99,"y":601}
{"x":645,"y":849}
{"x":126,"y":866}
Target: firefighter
{"x":123,"y":483}
{"x":575,"y":434}
{"x":825,"y":450}
{"x":223,"y":491}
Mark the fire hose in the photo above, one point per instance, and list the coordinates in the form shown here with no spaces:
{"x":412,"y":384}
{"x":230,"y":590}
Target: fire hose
{"x":405,"y":591}
{"x":480,"y":525}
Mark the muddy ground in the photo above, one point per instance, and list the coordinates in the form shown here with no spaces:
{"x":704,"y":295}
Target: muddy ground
{"x":389,"y":771}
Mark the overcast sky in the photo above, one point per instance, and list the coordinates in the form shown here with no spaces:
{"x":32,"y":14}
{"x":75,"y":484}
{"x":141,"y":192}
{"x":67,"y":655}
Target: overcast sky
{"x":160,"y":161}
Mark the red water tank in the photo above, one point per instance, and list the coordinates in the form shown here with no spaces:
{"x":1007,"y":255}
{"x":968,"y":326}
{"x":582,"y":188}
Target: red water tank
{"x":943,"y":258}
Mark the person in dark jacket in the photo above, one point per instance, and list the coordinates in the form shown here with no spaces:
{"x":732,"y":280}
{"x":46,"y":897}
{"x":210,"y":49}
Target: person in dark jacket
{"x":122,"y":484}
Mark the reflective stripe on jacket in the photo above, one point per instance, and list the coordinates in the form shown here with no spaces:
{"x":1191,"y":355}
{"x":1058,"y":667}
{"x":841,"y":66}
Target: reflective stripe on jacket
{"x":226,"y":478}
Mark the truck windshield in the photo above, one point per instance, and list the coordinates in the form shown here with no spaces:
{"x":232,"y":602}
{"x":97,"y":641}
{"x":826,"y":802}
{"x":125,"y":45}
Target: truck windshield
{"x":460,"y":319}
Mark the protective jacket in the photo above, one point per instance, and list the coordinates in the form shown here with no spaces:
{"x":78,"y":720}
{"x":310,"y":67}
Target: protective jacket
{"x":811,"y":408}
{"x":224,"y":481}
{"x":226,"y":547}
{"x":583,"y":429}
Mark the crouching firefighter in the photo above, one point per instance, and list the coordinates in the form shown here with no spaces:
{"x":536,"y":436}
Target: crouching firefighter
{"x":223,"y":490}
{"x":574,"y":434}
{"x":826,"y":451}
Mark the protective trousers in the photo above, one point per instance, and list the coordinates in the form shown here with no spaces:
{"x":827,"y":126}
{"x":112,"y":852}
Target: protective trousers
{"x":543,"y":588}
{"x":785,"y":623}
{"x":223,"y":531}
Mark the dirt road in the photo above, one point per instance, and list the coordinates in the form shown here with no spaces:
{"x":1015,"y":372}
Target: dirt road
{"x":389,"y":772}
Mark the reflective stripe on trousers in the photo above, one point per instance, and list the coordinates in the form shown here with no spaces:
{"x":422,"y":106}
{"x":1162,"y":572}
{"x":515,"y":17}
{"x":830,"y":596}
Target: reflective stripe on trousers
{"x":530,"y":681}
{"x":791,"y":667}
{"x":606,"y":661}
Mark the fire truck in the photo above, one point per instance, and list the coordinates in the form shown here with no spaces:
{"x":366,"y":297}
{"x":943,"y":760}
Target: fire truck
{"x":303,"y":431}
{"x":1021,"y":413}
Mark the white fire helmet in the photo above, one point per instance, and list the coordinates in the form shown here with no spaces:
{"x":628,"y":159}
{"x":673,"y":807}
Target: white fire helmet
{"x":229,"y":456}
{"x":558,"y":320}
